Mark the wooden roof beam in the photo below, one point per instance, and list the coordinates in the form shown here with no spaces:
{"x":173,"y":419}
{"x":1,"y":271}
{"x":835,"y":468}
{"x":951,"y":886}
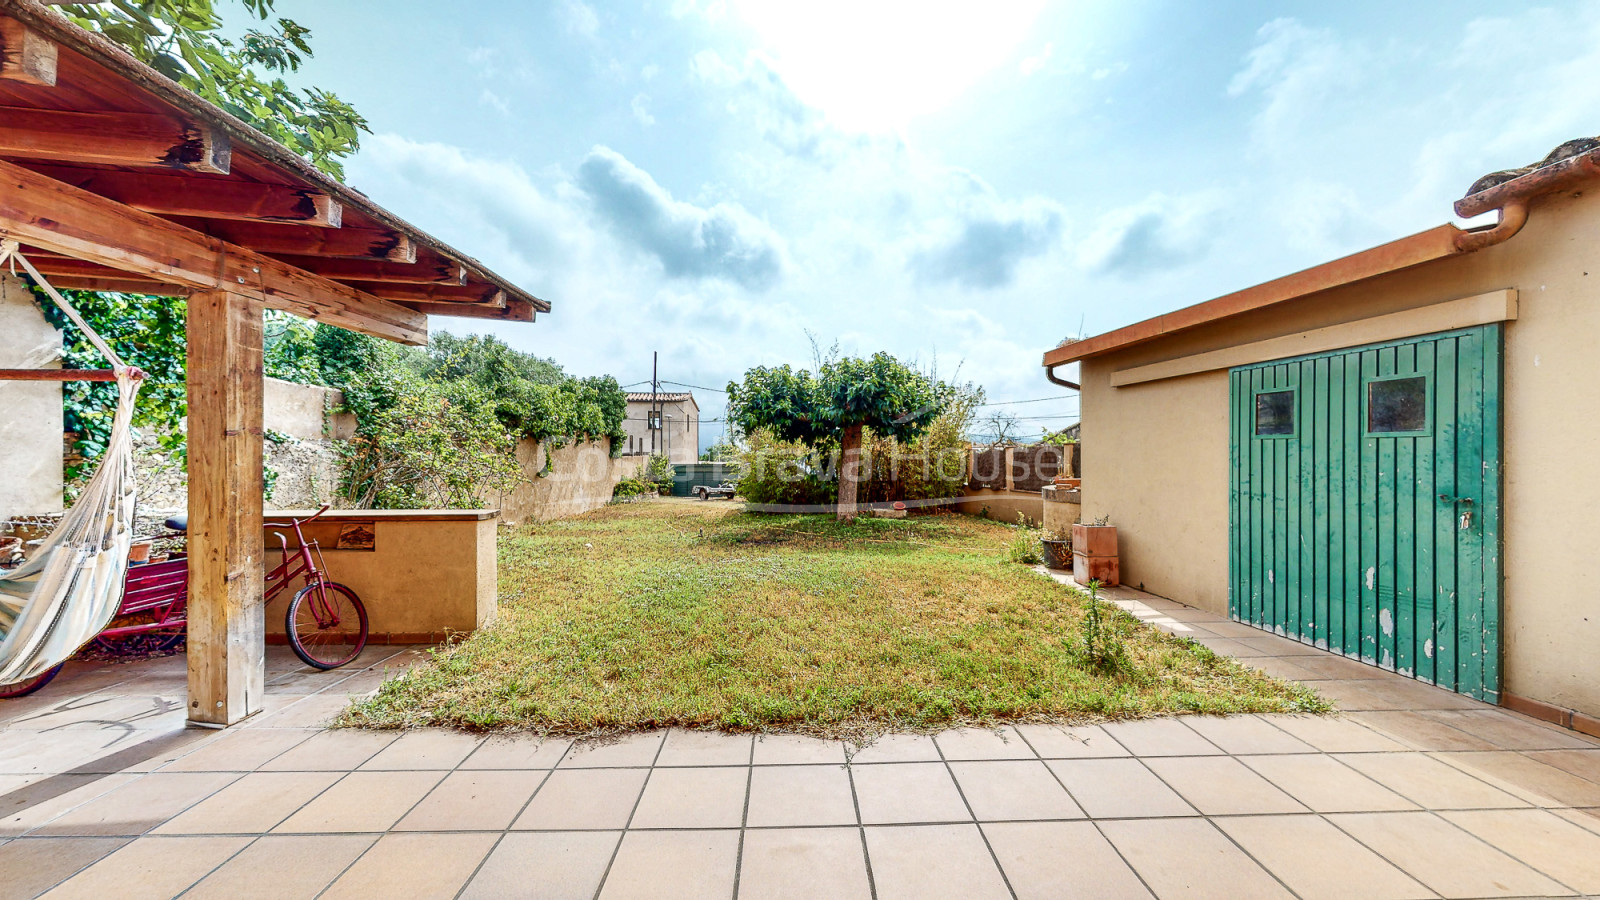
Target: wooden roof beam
{"x":515,"y":310}
{"x":206,"y":198}
{"x":26,"y":55}
{"x":477,"y":294}
{"x":113,"y":138}
{"x":46,"y":213}
{"x":285,"y":240}
{"x":437,"y":270}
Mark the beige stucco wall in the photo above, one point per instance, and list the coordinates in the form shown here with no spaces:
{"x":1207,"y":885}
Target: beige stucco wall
{"x":1061,"y":509}
{"x":1155,"y":455}
{"x":679,"y":438}
{"x":30,"y":412}
{"x":1002,"y":506}
{"x":305,"y":411}
{"x":430,"y":572}
{"x":581,"y":477}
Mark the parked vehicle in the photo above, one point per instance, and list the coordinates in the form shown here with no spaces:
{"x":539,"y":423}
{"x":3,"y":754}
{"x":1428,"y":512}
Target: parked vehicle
{"x":724,"y":490}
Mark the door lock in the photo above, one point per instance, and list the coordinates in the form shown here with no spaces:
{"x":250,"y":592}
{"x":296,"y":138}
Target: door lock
{"x":1466,"y":520}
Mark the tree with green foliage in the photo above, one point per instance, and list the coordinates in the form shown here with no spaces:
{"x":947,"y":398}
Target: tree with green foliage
{"x":845,"y":397}
{"x":182,"y":39}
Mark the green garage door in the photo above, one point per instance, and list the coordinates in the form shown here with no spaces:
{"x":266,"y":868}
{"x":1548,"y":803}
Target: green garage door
{"x":1366,"y":504}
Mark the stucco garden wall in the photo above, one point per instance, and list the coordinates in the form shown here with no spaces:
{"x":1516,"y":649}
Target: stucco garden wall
{"x":30,"y":429}
{"x":1155,"y":455}
{"x":581,"y":477}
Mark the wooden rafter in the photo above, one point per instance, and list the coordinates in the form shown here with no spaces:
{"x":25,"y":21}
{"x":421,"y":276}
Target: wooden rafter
{"x":26,"y":55}
{"x":431,"y":271}
{"x":43,"y":212}
{"x":515,"y":309}
{"x":207,"y":198}
{"x":474,"y":294}
{"x":113,"y":138}
{"x":283,"y":240}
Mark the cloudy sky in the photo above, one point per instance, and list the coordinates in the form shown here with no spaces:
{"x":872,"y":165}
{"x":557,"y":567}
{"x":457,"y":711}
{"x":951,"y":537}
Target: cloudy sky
{"x":953,"y":181}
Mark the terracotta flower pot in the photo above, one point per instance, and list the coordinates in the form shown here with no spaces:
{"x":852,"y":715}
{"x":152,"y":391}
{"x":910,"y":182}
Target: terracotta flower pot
{"x":1095,"y":556}
{"x":139,"y":553}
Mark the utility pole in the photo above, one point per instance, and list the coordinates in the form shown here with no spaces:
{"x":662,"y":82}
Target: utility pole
{"x":654,"y":418}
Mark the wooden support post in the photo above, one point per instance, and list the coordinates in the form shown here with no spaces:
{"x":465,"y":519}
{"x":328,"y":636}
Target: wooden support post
{"x":227,"y":623}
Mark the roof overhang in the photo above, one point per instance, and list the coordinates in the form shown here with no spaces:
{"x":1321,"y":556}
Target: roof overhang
{"x":1511,"y":197}
{"x":114,"y":177}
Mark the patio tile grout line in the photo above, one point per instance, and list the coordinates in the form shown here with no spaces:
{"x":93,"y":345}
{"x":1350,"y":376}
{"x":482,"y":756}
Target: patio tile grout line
{"x":623,"y":835}
{"x":744,"y":817}
{"x":861,"y":826}
{"x":960,"y":792}
{"x":1092,"y":822}
{"x":513,"y":821}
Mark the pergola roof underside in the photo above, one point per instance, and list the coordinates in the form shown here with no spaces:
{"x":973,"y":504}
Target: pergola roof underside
{"x":80,"y":111}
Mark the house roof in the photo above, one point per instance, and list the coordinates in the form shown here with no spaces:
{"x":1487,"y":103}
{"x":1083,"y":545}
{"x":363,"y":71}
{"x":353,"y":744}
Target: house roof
{"x":1508,"y":191}
{"x":81,"y":119}
{"x":646,"y":397}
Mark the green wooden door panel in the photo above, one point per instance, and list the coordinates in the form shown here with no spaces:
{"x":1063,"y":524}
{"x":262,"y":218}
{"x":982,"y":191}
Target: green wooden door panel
{"x":1353,"y":539}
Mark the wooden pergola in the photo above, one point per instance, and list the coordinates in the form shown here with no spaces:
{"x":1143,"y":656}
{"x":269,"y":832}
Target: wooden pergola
{"x":113,"y":177}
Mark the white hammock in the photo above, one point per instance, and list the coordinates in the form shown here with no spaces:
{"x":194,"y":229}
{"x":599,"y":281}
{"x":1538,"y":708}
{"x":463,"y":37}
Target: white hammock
{"x":71,"y":586}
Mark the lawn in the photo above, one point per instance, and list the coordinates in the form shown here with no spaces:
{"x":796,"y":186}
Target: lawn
{"x":699,"y":614}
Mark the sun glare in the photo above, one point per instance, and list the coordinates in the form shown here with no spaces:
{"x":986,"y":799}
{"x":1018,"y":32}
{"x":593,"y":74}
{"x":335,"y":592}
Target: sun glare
{"x":873,"y":65}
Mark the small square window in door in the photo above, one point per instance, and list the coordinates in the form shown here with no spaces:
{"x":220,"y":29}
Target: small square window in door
{"x":1397,"y":405}
{"x":1274,"y":413}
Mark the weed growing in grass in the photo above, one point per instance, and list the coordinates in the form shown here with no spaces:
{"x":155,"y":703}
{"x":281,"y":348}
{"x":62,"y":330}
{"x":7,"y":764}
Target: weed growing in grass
{"x":1103,"y":649}
{"x":1024,"y":546}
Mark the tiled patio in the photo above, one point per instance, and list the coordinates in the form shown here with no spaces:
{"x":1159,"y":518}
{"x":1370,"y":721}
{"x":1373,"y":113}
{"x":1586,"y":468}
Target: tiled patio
{"x":1414,"y":792}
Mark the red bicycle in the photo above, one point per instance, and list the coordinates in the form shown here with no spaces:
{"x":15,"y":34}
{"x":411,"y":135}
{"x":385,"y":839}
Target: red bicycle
{"x":326,"y":622}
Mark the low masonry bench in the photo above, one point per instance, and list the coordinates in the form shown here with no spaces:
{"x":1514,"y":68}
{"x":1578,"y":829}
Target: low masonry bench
{"x":421,"y":573}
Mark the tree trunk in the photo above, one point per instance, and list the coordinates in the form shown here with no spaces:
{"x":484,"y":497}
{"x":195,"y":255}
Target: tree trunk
{"x":849,"y":472}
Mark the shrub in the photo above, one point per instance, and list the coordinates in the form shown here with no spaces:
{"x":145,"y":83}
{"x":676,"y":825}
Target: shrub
{"x":631,"y":487}
{"x":657,"y":470}
{"x":783,"y":472}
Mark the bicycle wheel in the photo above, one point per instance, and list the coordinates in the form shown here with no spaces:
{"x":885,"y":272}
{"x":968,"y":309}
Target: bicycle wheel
{"x":326,"y":631}
{"x":27,"y":686}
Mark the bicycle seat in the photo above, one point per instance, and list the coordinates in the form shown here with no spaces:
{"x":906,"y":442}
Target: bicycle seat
{"x":179,"y":522}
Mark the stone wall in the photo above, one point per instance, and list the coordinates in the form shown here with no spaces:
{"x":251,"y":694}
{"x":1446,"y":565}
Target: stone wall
{"x":30,"y":412}
{"x":581,"y":477}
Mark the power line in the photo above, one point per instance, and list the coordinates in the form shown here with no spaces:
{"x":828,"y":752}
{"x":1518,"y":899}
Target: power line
{"x":695,"y":386}
{"x":1018,"y":402}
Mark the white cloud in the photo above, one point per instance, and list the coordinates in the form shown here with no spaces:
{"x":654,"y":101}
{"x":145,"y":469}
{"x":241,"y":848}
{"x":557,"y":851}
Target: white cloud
{"x":1032,"y":64}
{"x":580,"y":17}
{"x":641,"y":110}
{"x":1157,"y":234}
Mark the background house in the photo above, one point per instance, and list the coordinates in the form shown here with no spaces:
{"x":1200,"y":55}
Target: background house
{"x":677,"y":433}
{"x":1389,"y":455}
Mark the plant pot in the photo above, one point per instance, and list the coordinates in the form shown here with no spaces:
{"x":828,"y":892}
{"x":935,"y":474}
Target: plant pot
{"x":1095,"y":556}
{"x":139,"y":553}
{"x":1067,"y":482}
{"x":1057,"y":554}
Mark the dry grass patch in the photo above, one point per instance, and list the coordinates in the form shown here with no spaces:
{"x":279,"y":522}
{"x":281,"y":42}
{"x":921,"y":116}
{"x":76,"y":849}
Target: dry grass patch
{"x":698,"y":614}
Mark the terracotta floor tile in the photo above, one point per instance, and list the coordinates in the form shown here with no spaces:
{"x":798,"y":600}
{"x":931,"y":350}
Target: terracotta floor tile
{"x":631,"y":750}
{"x":1583,"y":763}
{"x":413,"y":865}
{"x":898,"y":748}
{"x":1339,"y":667}
{"x":1527,"y":778}
{"x":800,"y":795}
{"x":1285,"y":667}
{"x":573,"y":799}
{"x":1318,"y":861}
{"x":362,"y":801}
{"x":803,"y":864}
{"x":693,"y":798}
{"x":244,"y":750}
{"x":794,"y":749}
{"x":1429,"y":782}
{"x":282,"y":867}
{"x":32,"y":866}
{"x":704,"y":748}
{"x":1222,"y":786}
{"x":664,"y":865}
{"x":917,"y":862}
{"x":332,"y":751}
{"x":43,"y":800}
{"x":1002,"y":790}
{"x":1061,"y":742}
{"x":1420,"y":732}
{"x":1326,"y":785}
{"x":907,"y":792}
{"x":517,"y":752}
{"x":1118,"y":788}
{"x":978,"y":743}
{"x":1541,"y":839}
{"x":252,"y":805}
{"x":1246,"y":734}
{"x":1061,"y":861}
{"x":549,"y":865}
{"x":1160,"y":737}
{"x":1444,"y":857}
{"x":1510,"y":731}
{"x":424,"y":749}
{"x":1335,"y":734}
{"x":139,"y":805}
{"x":150,"y":867}
{"x":474,"y":801}
{"x":1190,"y":858}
